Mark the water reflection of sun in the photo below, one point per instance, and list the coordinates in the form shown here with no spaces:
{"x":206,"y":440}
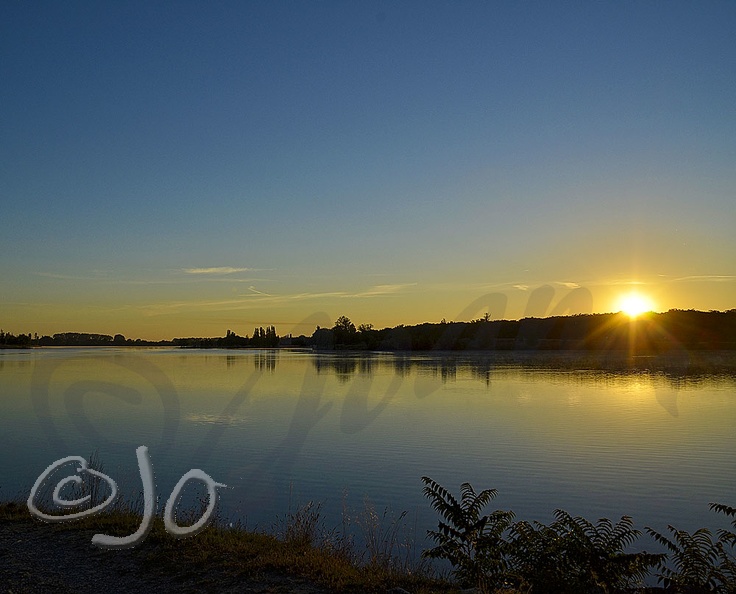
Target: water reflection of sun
{"x":635,"y":304}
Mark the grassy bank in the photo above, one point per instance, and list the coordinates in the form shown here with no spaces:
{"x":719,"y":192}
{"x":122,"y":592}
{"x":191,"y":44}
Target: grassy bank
{"x":491,"y":553}
{"x":300,"y":548}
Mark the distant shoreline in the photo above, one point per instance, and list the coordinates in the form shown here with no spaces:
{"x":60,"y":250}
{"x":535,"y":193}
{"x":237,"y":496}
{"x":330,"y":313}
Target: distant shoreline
{"x":648,"y":334}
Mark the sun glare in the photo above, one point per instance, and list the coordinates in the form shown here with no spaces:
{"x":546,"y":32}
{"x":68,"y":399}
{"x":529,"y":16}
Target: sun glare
{"x":635,"y":304}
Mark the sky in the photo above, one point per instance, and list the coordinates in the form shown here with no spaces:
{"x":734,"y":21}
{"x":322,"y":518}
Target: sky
{"x":183,"y":168}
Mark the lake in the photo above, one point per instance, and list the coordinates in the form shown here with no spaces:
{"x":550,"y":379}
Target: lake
{"x":284,"y":427}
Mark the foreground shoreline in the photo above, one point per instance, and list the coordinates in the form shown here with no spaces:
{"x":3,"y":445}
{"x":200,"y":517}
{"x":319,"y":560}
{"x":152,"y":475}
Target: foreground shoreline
{"x":41,"y":557}
{"x":37,"y":557}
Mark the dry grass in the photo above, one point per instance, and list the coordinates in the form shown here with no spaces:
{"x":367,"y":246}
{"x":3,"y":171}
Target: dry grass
{"x":302,"y":550}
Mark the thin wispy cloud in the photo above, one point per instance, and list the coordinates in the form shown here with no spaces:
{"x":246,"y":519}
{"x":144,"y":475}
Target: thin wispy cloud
{"x":195,"y":305}
{"x":382,"y":290}
{"x":374,"y":291}
{"x":217,"y":270}
{"x":616,"y":282}
{"x":242,"y":302}
{"x":711,"y":278}
{"x":265,"y":298}
{"x":157,"y":278}
{"x":95,"y":276}
{"x":255,"y":298}
{"x":505,"y":286}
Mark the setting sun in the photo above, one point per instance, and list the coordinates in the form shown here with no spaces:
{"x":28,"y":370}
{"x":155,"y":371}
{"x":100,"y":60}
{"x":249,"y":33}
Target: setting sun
{"x":635,"y":304}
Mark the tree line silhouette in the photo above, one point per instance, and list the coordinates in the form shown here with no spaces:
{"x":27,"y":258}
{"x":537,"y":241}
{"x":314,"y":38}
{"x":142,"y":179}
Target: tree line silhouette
{"x":649,"y":333}
{"x":261,"y":338}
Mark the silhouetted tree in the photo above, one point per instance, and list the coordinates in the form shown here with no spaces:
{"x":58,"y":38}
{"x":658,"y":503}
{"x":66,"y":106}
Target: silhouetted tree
{"x":345,"y":332}
{"x":323,"y":338}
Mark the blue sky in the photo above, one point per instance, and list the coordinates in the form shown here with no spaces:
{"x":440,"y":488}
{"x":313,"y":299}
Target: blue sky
{"x":184,"y":168}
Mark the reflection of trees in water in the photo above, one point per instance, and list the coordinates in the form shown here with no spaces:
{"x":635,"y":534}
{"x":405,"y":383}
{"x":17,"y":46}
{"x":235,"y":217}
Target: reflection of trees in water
{"x":265,"y":361}
{"x":447,"y":370}
{"x":481,"y":370}
{"x":443,"y":367}
{"x":679,"y":372}
{"x":262,"y":360}
{"x":365,"y":366}
{"x":344,"y":367}
{"x":319,"y":365}
{"x":16,"y":363}
{"x":690,"y":382}
{"x":402,"y":365}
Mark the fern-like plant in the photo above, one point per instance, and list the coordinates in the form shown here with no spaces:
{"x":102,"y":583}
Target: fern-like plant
{"x":538,"y":559}
{"x":725,"y":535}
{"x":700,"y":563}
{"x":597,"y":552}
{"x":574,"y":555}
{"x":727,"y":562}
{"x":695,"y":560}
{"x":471,"y":542}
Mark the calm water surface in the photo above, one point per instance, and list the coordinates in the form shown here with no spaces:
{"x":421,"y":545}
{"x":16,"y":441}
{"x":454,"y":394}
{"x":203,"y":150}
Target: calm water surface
{"x":281,"y":428}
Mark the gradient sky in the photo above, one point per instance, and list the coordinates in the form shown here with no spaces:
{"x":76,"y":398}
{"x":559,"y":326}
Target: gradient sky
{"x":184,"y":168}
